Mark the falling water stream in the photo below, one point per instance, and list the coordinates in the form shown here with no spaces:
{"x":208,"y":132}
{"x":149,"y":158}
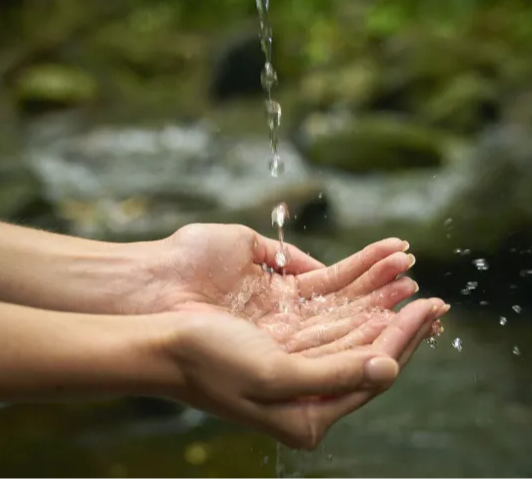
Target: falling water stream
{"x":269,"y":80}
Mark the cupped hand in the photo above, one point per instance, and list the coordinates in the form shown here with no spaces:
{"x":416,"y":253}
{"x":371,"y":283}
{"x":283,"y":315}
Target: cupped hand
{"x":306,"y":305}
{"x":239,"y":372}
{"x":233,"y":268}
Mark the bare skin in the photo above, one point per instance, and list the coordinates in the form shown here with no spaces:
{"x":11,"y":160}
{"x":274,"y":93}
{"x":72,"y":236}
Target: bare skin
{"x":209,"y":268}
{"x":199,"y":318}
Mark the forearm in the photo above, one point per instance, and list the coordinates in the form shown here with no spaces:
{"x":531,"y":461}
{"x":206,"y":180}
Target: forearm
{"x":64,"y":273}
{"x":48,"y":356}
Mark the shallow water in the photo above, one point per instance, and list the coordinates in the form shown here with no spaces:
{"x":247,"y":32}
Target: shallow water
{"x":452,"y":414}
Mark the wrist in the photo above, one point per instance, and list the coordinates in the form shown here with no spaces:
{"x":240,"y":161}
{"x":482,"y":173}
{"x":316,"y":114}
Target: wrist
{"x":63,"y":273}
{"x":53,"y":355}
{"x":108,"y":278}
{"x":154,"y":351}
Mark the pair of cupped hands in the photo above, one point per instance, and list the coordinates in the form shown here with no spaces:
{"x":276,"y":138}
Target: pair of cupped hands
{"x":286,"y":352}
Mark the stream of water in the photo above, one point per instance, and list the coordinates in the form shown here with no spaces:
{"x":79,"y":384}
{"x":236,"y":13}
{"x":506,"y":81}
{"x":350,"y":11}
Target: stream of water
{"x":280,"y":212}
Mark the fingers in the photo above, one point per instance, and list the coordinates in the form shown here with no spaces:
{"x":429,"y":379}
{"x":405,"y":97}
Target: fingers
{"x":322,"y":333}
{"x":296,"y":376}
{"x":299,"y":262}
{"x":423,"y":333}
{"x":362,"y":336}
{"x":334,"y":278}
{"x":390,"y":295}
{"x":380,"y":274}
{"x":409,"y":322}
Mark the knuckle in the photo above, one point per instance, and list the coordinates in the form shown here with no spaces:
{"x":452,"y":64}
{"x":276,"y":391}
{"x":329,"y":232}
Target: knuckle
{"x":333,"y":273}
{"x":268,"y":376}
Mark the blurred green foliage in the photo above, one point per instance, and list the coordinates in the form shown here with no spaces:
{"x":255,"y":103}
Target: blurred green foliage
{"x":162,"y":48}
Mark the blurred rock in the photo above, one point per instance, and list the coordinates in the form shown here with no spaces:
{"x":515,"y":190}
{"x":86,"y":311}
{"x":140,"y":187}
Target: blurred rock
{"x":349,"y":86}
{"x":473,"y":203}
{"x":50,"y":86}
{"x":237,"y":66}
{"x":364,"y":143}
{"x":142,"y":183}
{"x":465,"y":104}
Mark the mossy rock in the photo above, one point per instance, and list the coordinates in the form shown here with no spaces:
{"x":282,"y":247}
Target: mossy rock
{"x":374,"y":142}
{"x":351,"y":85}
{"x":464,"y":104}
{"x":56,"y":84}
{"x":419,"y":67}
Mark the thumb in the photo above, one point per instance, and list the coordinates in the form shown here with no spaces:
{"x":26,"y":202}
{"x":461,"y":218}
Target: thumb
{"x":299,"y":262}
{"x":332,"y":375}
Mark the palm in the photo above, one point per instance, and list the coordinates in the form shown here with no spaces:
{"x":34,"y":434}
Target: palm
{"x":308,"y":308}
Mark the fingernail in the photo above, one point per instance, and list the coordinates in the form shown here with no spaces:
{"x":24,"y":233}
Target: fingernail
{"x":416,"y":287}
{"x":412,"y":260}
{"x":381,"y":370}
{"x":406,"y":246}
{"x":445,"y":309}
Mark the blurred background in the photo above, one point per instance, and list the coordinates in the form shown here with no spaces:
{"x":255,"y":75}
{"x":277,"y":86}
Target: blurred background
{"x":125,"y":119}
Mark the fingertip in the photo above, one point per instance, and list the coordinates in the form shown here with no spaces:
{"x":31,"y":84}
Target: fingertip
{"x":437,"y":307}
{"x":381,"y":370}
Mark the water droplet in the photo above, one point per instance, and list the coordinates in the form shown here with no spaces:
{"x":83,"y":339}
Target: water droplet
{"x":457,"y":344}
{"x":320,"y":195}
{"x":329,"y":457}
{"x":263,"y":6}
{"x":481,"y":264}
{"x":273,"y":112}
{"x":525,"y":272}
{"x":448,"y":223}
{"x":516,"y":351}
{"x":268,"y":77}
{"x":484,"y":303}
{"x":502,"y":320}
{"x":432,"y":342}
{"x":276,"y":166}
{"x":517,"y":308}
{"x":470,"y":286}
{"x":280,"y":259}
{"x":280,"y":214}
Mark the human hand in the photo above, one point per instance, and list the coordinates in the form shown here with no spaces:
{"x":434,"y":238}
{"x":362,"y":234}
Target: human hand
{"x":221,"y":266}
{"x":229,"y":367}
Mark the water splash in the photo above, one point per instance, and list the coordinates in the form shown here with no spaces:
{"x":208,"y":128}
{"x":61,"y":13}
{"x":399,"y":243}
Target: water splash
{"x":502,"y":320}
{"x":481,"y":264}
{"x":516,"y":351}
{"x":432,"y":342}
{"x":517,"y":308}
{"x":470,"y":286}
{"x":457,"y":344}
